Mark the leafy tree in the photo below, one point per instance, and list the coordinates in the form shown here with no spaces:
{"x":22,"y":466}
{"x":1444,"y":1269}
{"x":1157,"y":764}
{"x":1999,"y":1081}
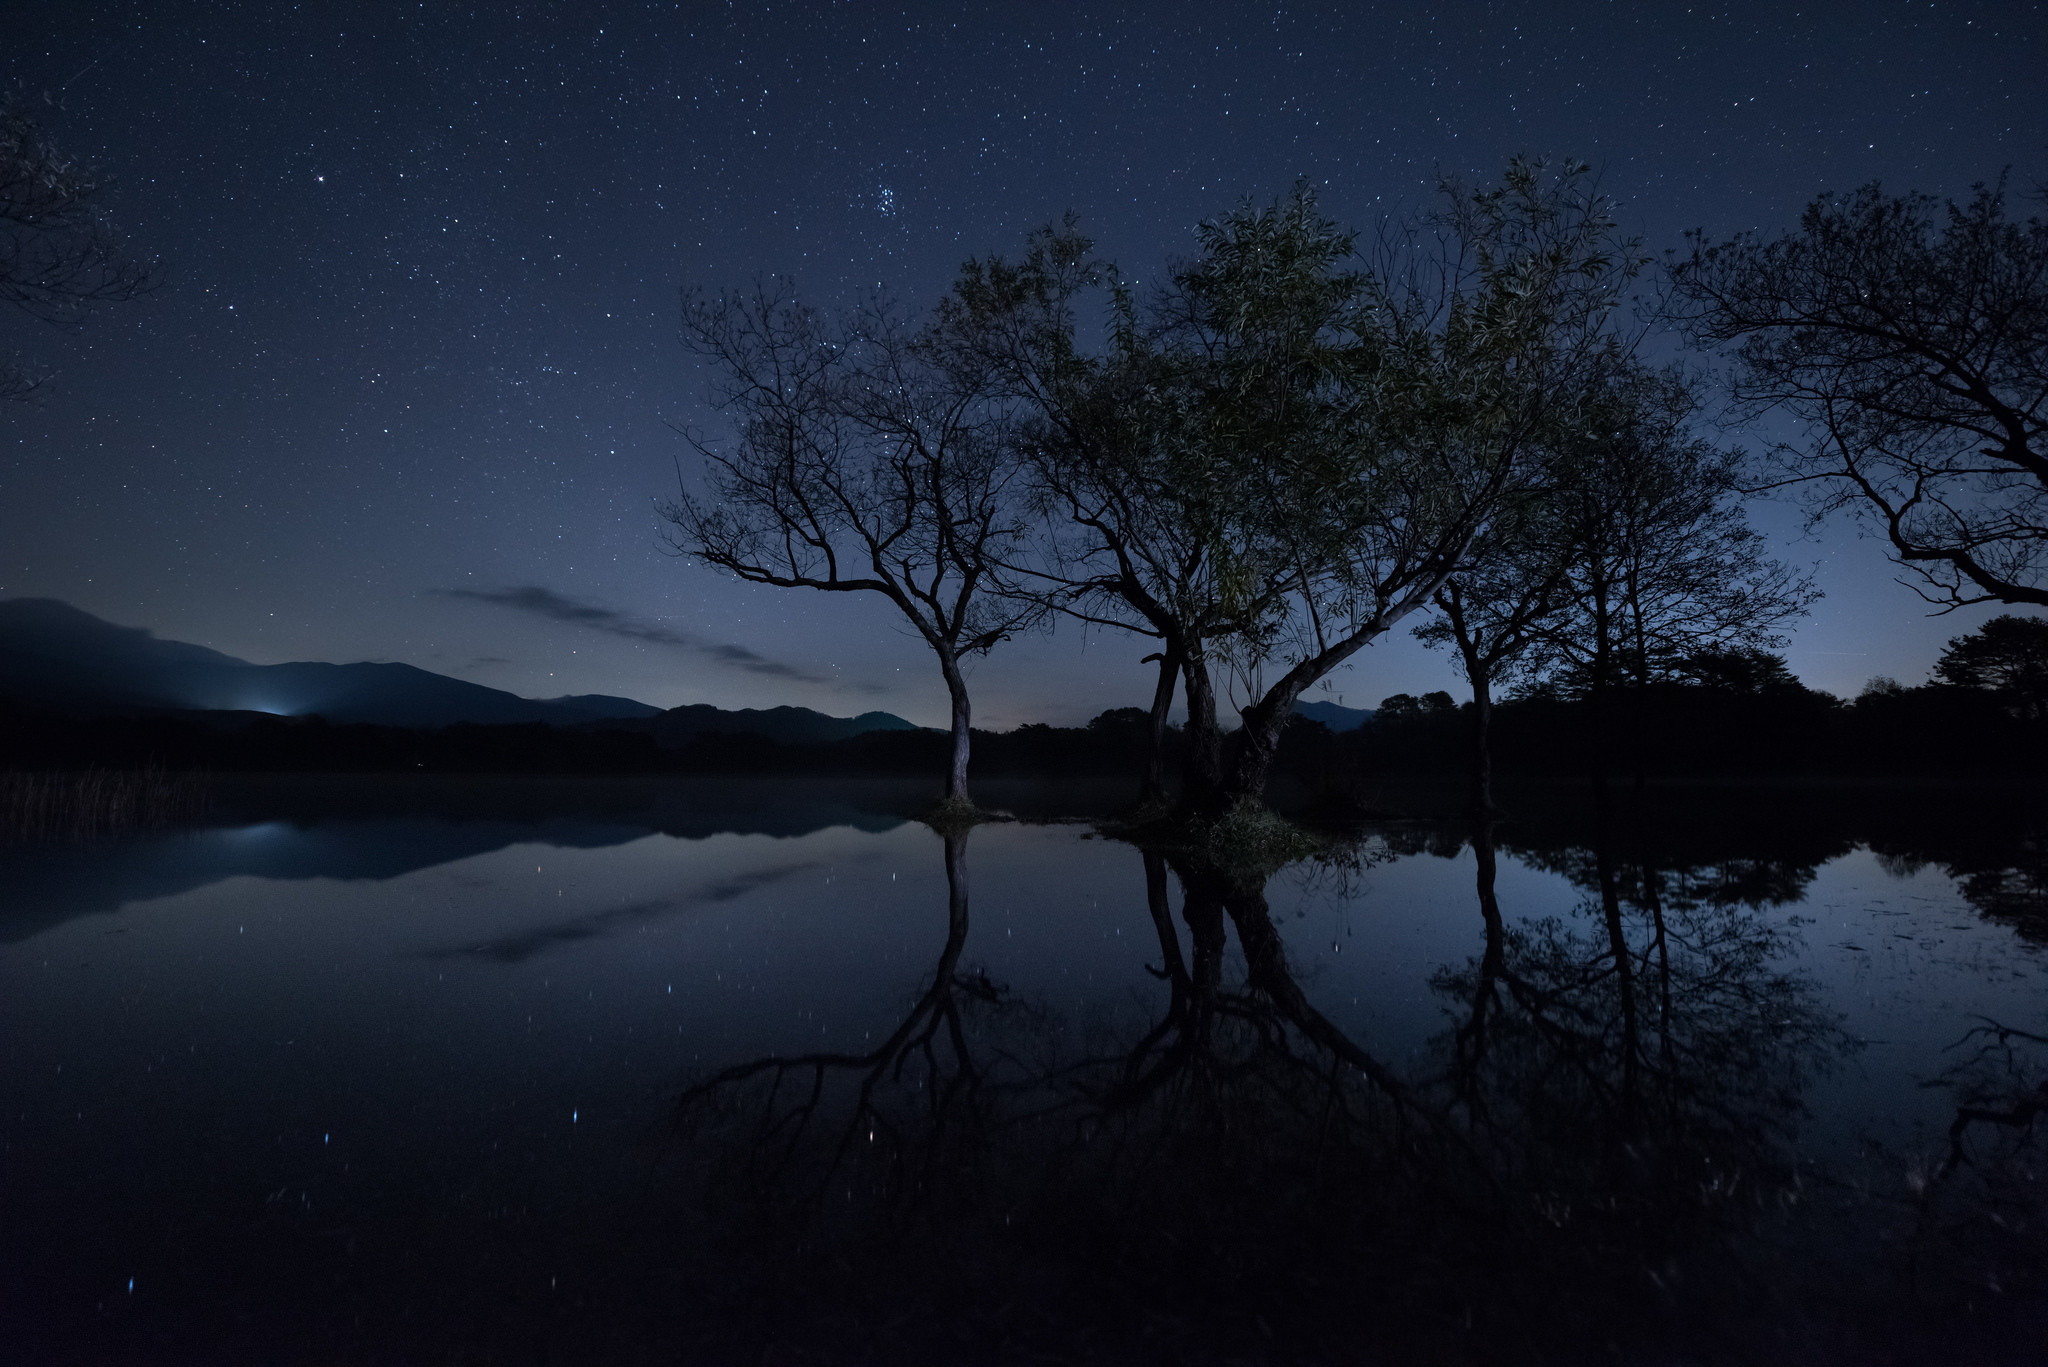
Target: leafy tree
{"x":1740,"y":670}
{"x":1125,"y":522}
{"x":1285,"y":450}
{"x":1406,"y":706}
{"x":1625,"y":561}
{"x":1660,"y":566}
{"x":1468,"y":348}
{"x":59,"y":258}
{"x":2007,"y":655}
{"x":865,"y":460}
{"x":1398,"y":707}
{"x":1491,"y":613}
{"x":1913,"y":343}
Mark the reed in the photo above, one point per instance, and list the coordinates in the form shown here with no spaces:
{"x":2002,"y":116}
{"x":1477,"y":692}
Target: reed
{"x":41,"y":807}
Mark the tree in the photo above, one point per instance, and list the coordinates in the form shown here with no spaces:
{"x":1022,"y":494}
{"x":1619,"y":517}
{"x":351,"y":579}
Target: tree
{"x":2007,"y":655}
{"x":1285,"y":450}
{"x":1467,"y":349}
{"x":1624,"y":560}
{"x":1740,"y":669}
{"x":1913,"y":344}
{"x":864,"y":460}
{"x":59,"y":258}
{"x":1125,"y":526}
{"x":1491,"y":613}
{"x":1659,"y":563}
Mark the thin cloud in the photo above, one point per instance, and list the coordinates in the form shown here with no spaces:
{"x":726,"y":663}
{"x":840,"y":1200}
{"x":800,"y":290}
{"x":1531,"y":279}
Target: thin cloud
{"x":536,"y":601}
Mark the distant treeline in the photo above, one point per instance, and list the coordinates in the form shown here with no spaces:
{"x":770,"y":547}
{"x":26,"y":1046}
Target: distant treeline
{"x":1678,"y":730}
{"x":1665,"y":730}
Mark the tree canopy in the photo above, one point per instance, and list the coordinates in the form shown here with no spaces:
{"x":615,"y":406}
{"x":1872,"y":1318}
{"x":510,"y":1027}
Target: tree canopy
{"x":2008,"y":655}
{"x":1911,"y":341}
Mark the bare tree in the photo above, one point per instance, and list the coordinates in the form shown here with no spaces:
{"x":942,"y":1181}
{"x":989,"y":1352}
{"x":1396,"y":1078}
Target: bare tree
{"x":863,"y":461}
{"x":1913,"y":344}
{"x":58,"y":256}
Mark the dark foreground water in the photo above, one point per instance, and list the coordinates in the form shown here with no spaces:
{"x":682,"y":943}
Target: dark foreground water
{"x":551,"y":1071}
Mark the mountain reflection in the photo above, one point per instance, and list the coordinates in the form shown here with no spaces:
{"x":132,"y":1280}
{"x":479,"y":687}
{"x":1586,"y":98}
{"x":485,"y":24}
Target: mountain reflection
{"x":1572,"y":1163}
{"x":379,"y":829}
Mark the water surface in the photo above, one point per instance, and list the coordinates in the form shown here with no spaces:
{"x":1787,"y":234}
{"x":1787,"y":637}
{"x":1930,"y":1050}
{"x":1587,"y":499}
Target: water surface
{"x":560,"y":1071}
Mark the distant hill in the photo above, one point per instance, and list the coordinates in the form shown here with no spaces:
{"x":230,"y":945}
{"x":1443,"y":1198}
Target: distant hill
{"x":61,"y":657}
{"x":1335,"y":717}
{"x":790,"y":725}
{"x":603,"y":706}
{"x":56,"y":654}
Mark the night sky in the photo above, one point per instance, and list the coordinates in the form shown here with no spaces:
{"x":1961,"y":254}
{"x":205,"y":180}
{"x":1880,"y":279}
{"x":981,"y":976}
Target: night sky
{"x":406,"y":392}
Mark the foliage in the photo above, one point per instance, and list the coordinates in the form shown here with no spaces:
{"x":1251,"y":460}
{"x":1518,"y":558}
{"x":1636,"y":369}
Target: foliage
{"x":1403,"y":705}
{"x":1250,"y":839}
{"x":1739,"y":670}
{"x":1657,"y":564}
{"x":2007,"y":655}
{"x":1284,"y":450}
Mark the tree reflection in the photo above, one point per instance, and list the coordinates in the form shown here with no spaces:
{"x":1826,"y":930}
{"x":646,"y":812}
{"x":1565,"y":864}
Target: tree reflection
{"x":1979,"y":1212}
{"x":2000,"y":868}
{"x":859,"y":1106}
{"x":1632,"y":1073}
{"x":1239,"y":1176}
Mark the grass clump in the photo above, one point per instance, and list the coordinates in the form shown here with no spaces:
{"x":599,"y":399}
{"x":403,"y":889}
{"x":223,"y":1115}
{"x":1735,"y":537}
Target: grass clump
{"x":1254,"y":839}
{"x":950,"y":814}
{"x":49,"y":807}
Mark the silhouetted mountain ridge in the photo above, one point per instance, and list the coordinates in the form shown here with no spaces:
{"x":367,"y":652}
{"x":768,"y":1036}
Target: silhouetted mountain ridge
{"x":788,"y":725}
{"x":1334,"y":715}
{"x":61,"y":657}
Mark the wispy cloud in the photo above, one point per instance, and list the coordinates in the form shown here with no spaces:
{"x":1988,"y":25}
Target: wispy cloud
{"x":536,"y":601}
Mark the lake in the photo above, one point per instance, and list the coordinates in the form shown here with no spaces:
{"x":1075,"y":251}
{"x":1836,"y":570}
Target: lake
{"x":767,"y":1071}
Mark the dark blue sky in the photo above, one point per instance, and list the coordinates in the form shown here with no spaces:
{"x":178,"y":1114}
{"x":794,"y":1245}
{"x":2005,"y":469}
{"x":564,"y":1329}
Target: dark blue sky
{"x":405,"y":394}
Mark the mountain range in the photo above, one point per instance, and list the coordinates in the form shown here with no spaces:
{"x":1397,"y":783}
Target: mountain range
{"x":1334,"y":716}
{"x":61,"y":657}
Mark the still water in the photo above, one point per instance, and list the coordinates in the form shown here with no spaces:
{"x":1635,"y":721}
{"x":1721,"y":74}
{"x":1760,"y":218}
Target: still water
{"x":563,"y":1071}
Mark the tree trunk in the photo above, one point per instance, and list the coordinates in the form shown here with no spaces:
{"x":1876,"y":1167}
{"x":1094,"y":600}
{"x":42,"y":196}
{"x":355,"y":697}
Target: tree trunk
{"x":1265,"y":960}
{"x":1153,"y":789}
{"x":956,"y":895}
{"x":1624,"y":963}
{"x":1479,"y":673}
{"x":1470,"y":1042}
{"x":1482,"y":746}
{"x":956,"y":772}
{"x":1257,"y":740}
{"x":1256,"y":744}
{"x":1202,"y":782}
{"x":1603,"y":665}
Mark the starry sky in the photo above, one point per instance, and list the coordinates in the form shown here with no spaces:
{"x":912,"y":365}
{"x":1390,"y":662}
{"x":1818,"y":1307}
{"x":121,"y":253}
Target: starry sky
{"x":408,"y":391}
